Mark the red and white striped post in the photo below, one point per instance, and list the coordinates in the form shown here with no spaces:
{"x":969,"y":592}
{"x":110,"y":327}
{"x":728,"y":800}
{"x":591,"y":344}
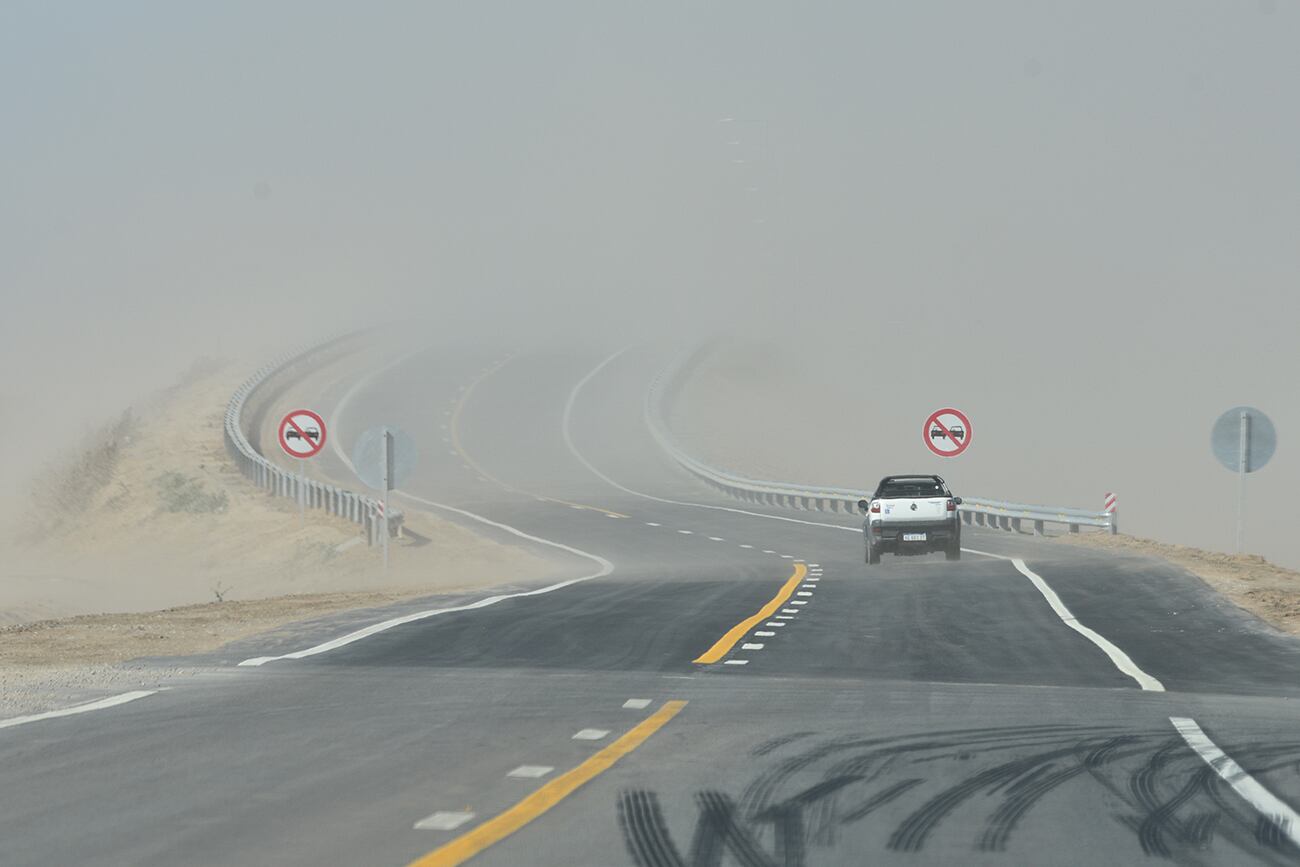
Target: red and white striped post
{"x":1110,"y":509}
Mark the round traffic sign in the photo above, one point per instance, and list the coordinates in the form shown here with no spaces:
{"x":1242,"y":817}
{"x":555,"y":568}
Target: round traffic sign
{"x":368,"y":457}
{"x":1248,"y":424}
{"x":947,"y":432}
{"x":302,"y":434}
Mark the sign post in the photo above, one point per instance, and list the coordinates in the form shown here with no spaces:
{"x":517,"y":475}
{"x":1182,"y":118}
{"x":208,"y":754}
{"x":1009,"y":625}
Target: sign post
{"x":388,"y":486}
{"x":1243,"y":439}
{"x":383,"y":458}
{"x":302,"y":435}
{"x":947,"y":432}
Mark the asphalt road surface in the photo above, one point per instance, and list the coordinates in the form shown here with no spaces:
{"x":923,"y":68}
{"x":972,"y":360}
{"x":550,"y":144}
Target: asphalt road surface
{"x":717,"y":684}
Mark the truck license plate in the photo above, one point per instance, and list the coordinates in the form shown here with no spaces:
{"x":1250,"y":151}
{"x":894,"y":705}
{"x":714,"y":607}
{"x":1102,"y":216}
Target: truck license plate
{"x":913,"y":537}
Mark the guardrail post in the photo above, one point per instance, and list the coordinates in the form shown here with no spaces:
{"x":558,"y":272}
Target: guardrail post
{"x":1015,"y":524}
{"x":1074,"y":528}
{"x":1114,"y":523}
{"x":1038,"y":528}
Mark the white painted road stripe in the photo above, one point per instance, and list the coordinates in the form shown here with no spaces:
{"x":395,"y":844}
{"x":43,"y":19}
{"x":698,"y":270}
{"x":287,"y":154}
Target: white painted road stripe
{"x":747,"y":546}
{"x":716,"y":539}
{"x":590,"y":734}
{"x":636,"y":703}
{"x":804,"y":593}
{"x":101,"y":704}
{"x":735,"y":662}
{"x":751,"y":646}
{"x":1268,"y":804}
{"x":606,"y":568}
{"x":530,"y":772}
{"x":685,"y":532}
{"x":762,"y":634}
{"x":443,"y":821}
{"x":1117,"y":656}
{"x":773,"y":623}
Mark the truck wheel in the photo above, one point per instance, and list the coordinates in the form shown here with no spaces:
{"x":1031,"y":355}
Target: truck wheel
{"x":873,"y":554}
{"x":953,"y":551}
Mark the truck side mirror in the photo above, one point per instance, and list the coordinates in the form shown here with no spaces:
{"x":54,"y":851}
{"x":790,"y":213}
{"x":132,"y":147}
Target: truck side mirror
{"x":863,"y":505}
{"x":957,"y":500}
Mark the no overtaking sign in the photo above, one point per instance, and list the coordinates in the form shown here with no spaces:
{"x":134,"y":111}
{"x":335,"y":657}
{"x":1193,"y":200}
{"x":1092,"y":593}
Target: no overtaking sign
{"x":947,"y":432}
{"x":302,"y":434}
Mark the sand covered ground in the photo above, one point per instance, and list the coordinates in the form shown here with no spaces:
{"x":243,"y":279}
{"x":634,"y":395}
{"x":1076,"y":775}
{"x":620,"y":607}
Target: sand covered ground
{"x":147,"y":542}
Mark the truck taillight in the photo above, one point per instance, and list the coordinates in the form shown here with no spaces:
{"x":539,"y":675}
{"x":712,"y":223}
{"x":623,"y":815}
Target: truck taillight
{"x":952,"y":505}
{"x":875,"y":507}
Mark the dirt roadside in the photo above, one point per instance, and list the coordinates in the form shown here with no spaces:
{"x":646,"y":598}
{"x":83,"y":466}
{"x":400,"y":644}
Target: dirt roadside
{"x":148,"y":542}
{"x":1251,"y":582}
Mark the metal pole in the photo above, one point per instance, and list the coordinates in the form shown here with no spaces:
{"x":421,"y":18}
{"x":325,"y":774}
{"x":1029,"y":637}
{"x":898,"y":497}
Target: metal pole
{"x":388,"y":484}
{"x":302,"y":494}
{"x":1243,"y":467}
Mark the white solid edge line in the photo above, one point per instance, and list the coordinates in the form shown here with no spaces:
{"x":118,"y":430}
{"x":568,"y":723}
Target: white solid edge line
{"x":1264,"y":801}
{"x":111,"y":701}
{"x":1117,"y":656}
{"x":606,"y":568}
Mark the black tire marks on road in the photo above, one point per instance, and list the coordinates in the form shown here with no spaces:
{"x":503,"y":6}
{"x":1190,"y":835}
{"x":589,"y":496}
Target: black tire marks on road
{"x":814,"y":789}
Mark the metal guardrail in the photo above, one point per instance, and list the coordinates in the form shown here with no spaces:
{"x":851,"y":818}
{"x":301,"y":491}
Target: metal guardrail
{"x":973,"y":510}
{"x":358,"y":508}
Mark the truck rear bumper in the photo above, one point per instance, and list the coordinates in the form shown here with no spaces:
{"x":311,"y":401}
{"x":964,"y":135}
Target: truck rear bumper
{"x":892,"y":535}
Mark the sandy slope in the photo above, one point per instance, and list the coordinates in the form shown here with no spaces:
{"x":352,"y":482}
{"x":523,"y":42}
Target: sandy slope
{"x":102,"y":539}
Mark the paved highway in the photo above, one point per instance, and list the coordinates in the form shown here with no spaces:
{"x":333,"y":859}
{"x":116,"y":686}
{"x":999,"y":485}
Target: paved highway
{"x":715,"y":684}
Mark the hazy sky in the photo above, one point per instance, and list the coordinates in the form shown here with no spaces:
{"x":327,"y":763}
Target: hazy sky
{"x":1113,"y":188}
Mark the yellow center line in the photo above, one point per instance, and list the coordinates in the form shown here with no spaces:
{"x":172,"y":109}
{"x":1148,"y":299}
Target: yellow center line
{"x":737,"y":632}
{"x":460,"y":450}
{"x":496,"y":829}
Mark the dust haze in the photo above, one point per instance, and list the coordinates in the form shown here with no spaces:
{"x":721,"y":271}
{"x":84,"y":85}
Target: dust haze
{"x":1077,"y":222}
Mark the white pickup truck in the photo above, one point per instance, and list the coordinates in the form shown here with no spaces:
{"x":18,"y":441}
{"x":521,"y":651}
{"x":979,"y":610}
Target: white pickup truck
{"x":911,"y":515}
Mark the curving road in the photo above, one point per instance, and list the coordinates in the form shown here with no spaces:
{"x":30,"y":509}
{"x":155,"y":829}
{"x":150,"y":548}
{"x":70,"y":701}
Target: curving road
{"x":714,"y":684}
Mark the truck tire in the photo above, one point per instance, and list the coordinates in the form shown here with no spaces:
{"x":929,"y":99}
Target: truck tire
{"x":873,"y":554}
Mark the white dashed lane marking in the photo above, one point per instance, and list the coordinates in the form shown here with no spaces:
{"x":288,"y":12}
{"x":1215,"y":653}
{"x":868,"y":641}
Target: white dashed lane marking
{"x":765,"y":551}
{"x":735,"y":662}
{"x":747,"y":546}
{"x":774,"y":623}
{"x":751,"y":647}
{"x":636,"y":703}
{"x":530,"y":772}
{"x":443,"y":821}
{"x":685,"y":532}
{"x":590,"y":734}
{"x":789,"y":611}
{"x":803,"y":593}
{"x":761,"y":634}
{"x":798,"y":602}
{"x":716,"y":539}
{"x":652,"y":524}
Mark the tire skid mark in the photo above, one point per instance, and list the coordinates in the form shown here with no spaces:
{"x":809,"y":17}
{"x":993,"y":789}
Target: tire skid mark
{"x":814,"y":790}
{"x":645,"y":831}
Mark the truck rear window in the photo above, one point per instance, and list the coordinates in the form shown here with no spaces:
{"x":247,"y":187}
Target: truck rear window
{"x":910,"y":488}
